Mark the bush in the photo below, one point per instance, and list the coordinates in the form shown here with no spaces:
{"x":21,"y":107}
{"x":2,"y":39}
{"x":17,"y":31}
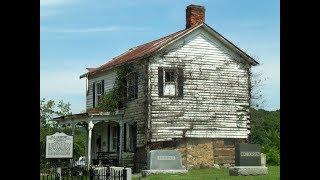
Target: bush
{"x":272,"y":155}
{"x":265,"y":130}
{"x":79,"y":144}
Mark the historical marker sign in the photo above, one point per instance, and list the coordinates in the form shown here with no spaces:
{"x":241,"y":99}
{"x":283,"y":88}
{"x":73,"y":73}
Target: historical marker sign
{"x":247,"y":155}
{"x":164,"y":160}
{"x":59,"y":145}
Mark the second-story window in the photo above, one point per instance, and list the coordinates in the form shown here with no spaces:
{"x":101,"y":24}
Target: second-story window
{"x":132,"y":86}
{"x":99,"y":92}
{"x":170,"y":82}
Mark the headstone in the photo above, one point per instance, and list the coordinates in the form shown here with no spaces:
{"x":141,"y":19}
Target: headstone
{"x":59,"y":145}
{"x":164,"y":161}
{"x":248,"y":161}
{"x":247,"y":155}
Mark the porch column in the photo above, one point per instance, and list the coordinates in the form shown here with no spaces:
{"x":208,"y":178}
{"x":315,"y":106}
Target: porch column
{"x":73,"y":126}
{"x":90,"y":127}
{"x":120,"y":142}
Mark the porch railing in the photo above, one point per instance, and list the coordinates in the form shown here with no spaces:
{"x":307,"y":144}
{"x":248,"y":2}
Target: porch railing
{"x":97,"y":173}
{"x":106,"y":158}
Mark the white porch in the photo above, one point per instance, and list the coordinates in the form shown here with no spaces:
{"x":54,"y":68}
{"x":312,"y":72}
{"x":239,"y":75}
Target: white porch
{"x":111,"y":140}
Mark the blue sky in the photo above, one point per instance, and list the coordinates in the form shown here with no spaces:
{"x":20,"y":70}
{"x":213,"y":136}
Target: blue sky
{"x":76,"y":34}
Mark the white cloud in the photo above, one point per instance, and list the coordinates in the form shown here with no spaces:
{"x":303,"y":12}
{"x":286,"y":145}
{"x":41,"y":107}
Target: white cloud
{"x":80,"y":30}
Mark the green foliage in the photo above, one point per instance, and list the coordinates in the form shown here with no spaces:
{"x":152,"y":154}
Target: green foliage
{"x":109,"y":101}
{"x":212,"y":174}
{"x":48,"y":110}
{"x":116,"y":97}
{"x":265,"y":130}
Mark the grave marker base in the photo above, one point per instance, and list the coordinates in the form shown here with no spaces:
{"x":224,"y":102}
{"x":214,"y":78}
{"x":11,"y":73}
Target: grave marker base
{"x":150,"y":172}
{"x":247,"y":170}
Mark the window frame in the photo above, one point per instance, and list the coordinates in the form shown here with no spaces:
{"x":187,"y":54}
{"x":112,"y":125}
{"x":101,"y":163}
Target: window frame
{"x":98,"y":95}
{"x":113,"y":137}
{"x":129,"y":132}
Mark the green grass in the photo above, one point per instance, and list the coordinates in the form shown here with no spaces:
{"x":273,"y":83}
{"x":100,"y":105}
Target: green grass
{"x":213,"y":174}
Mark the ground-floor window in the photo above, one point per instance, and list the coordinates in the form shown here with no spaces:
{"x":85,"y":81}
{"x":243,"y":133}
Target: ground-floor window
{"x":130,"y":136}
{"x":113,"y":138}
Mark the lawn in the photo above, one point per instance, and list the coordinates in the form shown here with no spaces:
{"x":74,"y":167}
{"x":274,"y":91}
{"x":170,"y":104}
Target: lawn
{"x":213,"y":174}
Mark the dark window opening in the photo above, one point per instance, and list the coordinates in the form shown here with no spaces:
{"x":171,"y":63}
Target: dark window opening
{"x":98,"y":143}
{"x":170,"y":76}
{"x":99,"y":91}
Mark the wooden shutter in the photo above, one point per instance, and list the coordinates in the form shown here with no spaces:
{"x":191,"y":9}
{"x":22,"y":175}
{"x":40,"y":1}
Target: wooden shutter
{"x":102,"y":84}
{"x":160,"y":81}
{"x":125,"y":137}
{"x":134,"y":136}
{"x":180,"y":82}
{"x":93,"y":94}
{"x":109,"y":137}
{"x":118,"y":138}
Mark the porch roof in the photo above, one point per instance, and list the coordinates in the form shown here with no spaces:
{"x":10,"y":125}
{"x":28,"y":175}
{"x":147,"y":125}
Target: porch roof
{"x":89,"y":116}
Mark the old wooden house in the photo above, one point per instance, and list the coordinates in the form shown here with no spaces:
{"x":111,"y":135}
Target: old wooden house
{"x":189,"y":91}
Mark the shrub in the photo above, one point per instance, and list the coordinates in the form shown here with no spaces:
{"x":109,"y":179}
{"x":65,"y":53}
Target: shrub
{"x":265,"y":130}
{"x":272,"y":155}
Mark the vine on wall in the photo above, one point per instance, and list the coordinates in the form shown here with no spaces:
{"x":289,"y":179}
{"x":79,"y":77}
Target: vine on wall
{"x":115,"y":98}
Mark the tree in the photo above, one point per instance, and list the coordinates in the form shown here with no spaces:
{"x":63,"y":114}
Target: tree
{"x":265,"y":130}
{"x":48,"y":110}
{"x":257,"y":81}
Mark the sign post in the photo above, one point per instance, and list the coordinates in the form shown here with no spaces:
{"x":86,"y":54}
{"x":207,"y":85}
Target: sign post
{"x":58,"y":146}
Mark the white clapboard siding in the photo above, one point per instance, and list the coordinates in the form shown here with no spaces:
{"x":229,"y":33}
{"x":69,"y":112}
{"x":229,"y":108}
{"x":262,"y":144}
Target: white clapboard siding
{"x":109,"y":79}
{"x":216,"y":91}
{"x":136,"y":110}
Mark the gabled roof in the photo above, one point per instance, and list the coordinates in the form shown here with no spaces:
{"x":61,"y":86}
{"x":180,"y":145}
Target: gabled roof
{"x":147,"y":49}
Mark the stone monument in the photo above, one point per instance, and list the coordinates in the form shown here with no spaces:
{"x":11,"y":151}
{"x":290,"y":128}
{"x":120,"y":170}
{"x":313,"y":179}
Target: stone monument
{"x":164,"y":161}
{"x":248,"y":161}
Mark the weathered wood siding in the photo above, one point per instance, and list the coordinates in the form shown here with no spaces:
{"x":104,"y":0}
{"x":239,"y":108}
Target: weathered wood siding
{"x":135,"y":110}
{"x":109,"y":79}
{"x":216,"y":95}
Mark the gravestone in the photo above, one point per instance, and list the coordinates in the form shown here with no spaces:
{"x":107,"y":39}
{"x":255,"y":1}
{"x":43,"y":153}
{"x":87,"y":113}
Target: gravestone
{"x":248,"y":161}
{"x":247,"y":155}
{"x":164,"y":161}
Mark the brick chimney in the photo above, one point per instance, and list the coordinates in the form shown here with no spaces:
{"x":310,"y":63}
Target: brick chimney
{"x":194,"y":15}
